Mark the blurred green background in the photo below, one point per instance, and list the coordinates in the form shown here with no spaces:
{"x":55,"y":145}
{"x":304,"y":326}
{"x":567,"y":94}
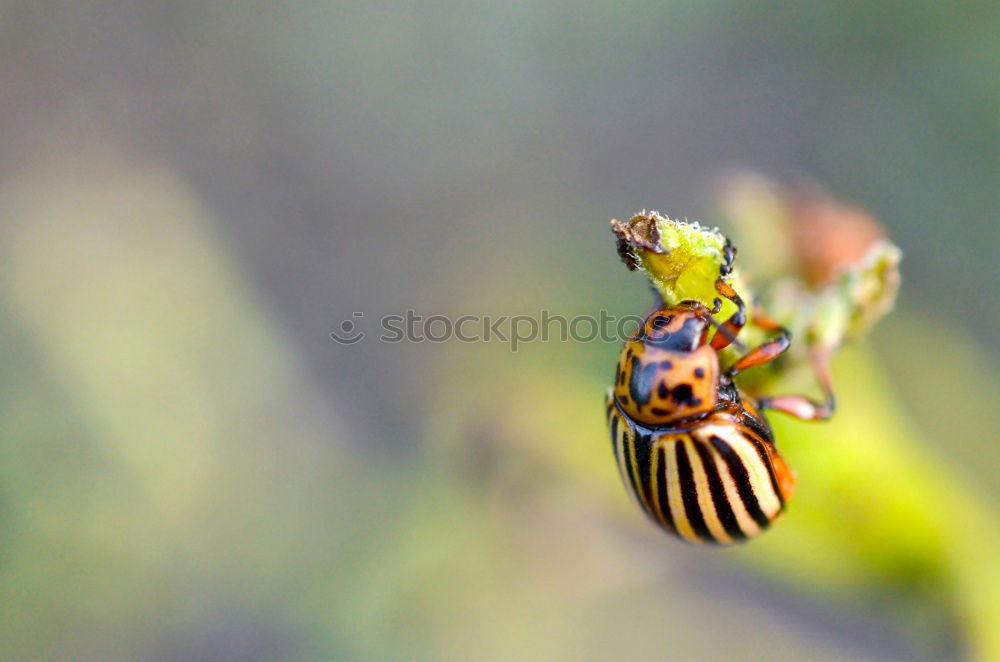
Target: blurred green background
{"x":193,"y":195}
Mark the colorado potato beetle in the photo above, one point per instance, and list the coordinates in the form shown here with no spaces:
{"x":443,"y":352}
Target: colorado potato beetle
{"x":693,"y":450}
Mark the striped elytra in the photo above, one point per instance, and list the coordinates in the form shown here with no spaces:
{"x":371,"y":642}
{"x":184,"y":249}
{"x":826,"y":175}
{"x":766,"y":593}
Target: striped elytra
{"x":714,"y":479}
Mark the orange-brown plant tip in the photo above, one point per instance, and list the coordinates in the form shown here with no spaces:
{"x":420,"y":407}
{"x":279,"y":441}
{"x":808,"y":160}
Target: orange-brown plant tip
{"x":829,"y":235}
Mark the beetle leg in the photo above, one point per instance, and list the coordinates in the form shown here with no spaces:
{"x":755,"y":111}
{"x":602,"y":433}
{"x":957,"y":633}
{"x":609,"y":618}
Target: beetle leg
{"x":802,"y":407}
{"x":763,"y":321}
{"x":768,"y":351}
{"x":726,"y":334}
{"x":762,"y":354}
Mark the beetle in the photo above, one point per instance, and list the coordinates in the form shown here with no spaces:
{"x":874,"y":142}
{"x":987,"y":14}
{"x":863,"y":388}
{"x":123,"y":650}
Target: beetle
{"x":694,"y":451}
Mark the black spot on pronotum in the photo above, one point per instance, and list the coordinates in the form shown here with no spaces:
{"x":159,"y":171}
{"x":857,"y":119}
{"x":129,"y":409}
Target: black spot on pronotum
{"x":656,"y":411}
{"x":684,"y":395}
{"x":663,"y":391}
{"x":684,"y":339}
{"x":666,"y":365}
{"x":641,"y":384}
{"x":661,"y":321}
{"x":699,"y":372}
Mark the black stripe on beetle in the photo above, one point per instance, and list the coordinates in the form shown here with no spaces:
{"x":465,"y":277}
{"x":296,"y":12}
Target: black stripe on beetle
{"x":723,"y":509}
{"x":742,"y":479}
{"x":661,"y":488}
{"x":765,"y":459}
{"x":689,"y":495}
